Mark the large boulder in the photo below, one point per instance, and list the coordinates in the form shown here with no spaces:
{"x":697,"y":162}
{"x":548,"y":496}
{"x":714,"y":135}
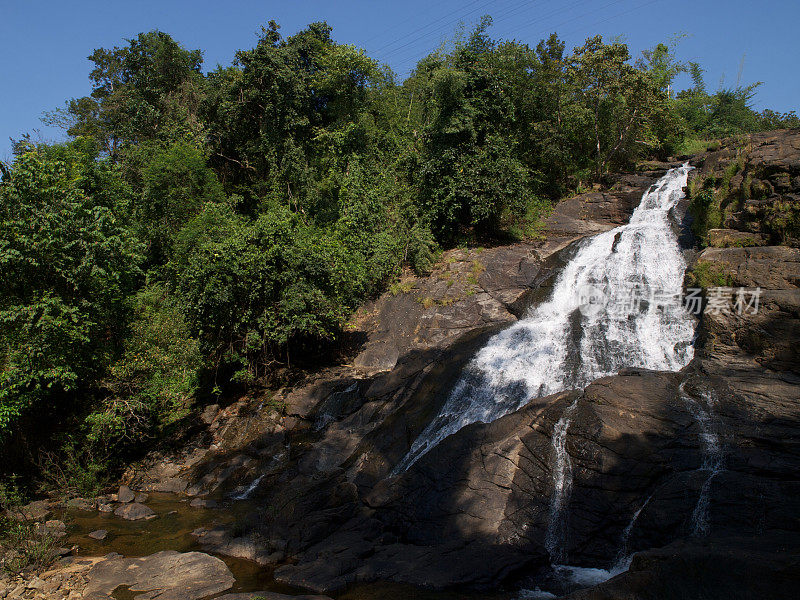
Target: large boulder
{"x":166,"y":575}
{"x":771,"y":267}
{"x":125,"y":495}
{"x":134,"y":512}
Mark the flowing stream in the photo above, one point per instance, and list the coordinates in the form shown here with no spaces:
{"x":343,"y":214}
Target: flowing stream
{"x":616,"y":304}
{"x":713,"y":457}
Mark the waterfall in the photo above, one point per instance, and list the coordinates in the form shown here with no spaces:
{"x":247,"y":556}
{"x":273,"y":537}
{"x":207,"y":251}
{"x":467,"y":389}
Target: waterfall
{"x":333,"y":406}
{"x":713,"y":457}
{"x":614,"y":305}
{"x":245,"y":494}
{"x":623,"y":559}
{"x":556,"y":536}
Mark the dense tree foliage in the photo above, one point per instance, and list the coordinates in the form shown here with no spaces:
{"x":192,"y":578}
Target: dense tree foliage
{"x":67,"y":267}
{"x":200,"y":229}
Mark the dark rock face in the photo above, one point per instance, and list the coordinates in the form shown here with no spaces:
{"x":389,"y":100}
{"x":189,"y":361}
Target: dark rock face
{"x":268,"y":596}
{"x":485,"y":492}
{"x":219,"y":540}
{"x":736,"y":567}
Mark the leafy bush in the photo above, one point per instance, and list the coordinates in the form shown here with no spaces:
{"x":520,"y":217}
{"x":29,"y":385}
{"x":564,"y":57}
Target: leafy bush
{"x":705,"y":211}
{"x":25,"y":546}
{"x":251,"y":286}
{"x":705,"y":274}
{"x":152,"y":385}
{"x":72,"y":470}
{"x":11,"y":494}
{"x":66,"y":267}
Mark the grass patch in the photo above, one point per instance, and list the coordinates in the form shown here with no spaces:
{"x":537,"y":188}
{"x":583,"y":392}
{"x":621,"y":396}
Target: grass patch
{"x":706,"y":274}
{"x":475,"y":272}
{"x":426,"y":301}
{"x":691,"y":146}
{"x":401,"y":287}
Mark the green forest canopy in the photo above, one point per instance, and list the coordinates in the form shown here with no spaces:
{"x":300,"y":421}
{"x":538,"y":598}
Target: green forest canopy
{"x":199,"y":229}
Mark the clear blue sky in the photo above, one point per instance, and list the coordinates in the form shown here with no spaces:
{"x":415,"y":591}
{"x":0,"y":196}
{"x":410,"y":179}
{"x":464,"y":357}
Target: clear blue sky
{"x":44,"y":44}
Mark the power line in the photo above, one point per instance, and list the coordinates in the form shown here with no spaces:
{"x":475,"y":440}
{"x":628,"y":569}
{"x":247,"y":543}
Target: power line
{"x":508,"y":12}
{"x":424,"y":27}
{"x":394,"y":27}
{"x":625,"y":12}
{"x":416,"y":53}
{"x":541,"y":17}
{"x":572,"y":6}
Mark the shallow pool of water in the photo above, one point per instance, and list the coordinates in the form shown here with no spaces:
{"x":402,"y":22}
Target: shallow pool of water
{"x":172,"y":530}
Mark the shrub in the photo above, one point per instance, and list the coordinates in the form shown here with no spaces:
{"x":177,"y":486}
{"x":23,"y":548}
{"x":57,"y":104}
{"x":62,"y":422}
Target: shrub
{"x":66,"y":267}
{"x":705,"y":274}
{"x":153,"y":383}
{"x":25,"y":546}
{"x":73,"y":471}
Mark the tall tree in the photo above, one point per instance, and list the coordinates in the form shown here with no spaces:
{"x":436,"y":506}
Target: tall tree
{"x":67,"y":266}
{"x":617,"y":98}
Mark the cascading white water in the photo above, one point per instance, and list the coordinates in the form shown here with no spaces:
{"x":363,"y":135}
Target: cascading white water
{"x":555,"y":538}
{"x":245,"y":494}
{"x":623,"y":559}
{"x":572,"y":339}
{"x":713,"y":457}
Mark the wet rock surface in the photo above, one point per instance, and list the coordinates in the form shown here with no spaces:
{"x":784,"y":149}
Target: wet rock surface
{"x":720,"y":568}
{"x":125,"y":495}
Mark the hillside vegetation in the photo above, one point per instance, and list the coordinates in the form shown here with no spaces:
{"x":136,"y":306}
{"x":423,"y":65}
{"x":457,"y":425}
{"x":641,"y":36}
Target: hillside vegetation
{"x":201,"y":229}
